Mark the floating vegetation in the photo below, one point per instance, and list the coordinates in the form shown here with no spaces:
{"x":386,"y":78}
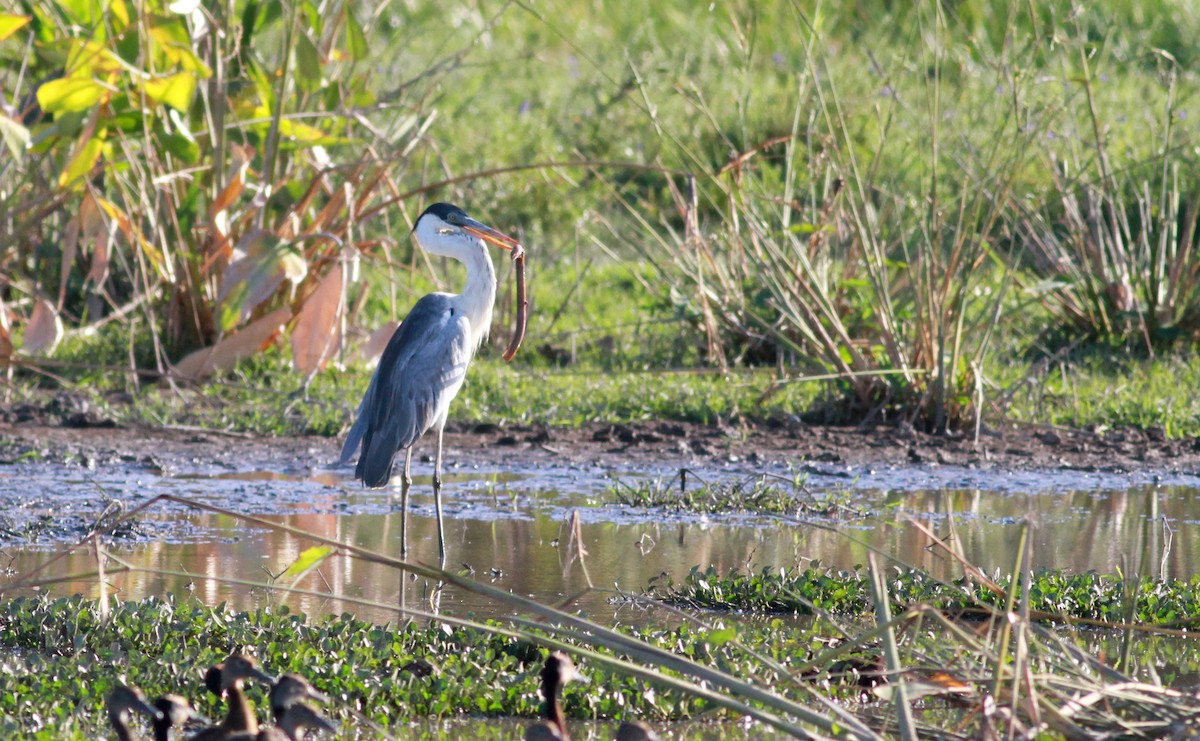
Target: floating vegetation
{"x":62,"y":654}
{"x":767,"y":494}
{"x":1172,"y":603}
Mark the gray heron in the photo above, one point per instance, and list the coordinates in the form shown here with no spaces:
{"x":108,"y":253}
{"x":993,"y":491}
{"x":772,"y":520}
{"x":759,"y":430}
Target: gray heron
{"x":426,"y":360}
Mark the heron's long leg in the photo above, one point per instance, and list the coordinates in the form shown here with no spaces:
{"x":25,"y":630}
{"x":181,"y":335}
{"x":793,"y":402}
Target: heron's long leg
{"x":405,"y":485}
{"x":437,"y":496}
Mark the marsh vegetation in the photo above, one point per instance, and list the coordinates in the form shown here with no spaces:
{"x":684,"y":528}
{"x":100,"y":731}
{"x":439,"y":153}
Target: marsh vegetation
{"x":935,"y":216}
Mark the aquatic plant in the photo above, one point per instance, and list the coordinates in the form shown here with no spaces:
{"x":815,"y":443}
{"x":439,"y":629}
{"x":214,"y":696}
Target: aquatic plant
{"x":1053,"y":596}
{"x":758,"y":494}
{"x":786,"y":675}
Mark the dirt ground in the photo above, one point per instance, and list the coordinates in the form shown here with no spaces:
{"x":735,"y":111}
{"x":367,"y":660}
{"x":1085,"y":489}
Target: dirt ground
{"x":64,"y":430}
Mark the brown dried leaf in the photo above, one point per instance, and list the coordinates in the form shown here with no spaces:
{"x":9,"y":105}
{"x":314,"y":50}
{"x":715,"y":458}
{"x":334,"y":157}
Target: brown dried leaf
{"x":99,"y":270}
{"x":229,"y":195}
{"x":44,"y":329}
{"x":317,"y":336}
{"x":239,"y":345}
{"x":261,"y":263}
{"x":373,"y":348}
{"x":96,"y":231}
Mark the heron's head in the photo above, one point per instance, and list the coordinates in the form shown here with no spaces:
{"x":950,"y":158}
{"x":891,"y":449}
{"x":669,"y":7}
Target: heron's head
{"x":445,"y":229}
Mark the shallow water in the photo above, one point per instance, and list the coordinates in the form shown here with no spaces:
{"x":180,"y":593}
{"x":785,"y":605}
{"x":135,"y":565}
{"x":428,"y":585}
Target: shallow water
{"x":511,"y":528}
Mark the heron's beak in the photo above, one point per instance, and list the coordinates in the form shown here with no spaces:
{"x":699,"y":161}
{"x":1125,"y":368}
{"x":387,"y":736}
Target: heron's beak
{"x":488,"y":234}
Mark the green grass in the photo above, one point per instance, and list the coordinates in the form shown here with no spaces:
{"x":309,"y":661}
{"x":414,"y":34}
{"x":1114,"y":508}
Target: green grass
{"x":264,"y":397}
{"x":61,"y":656}
{"x":1110,"y":389}
{"x":617,"y":329}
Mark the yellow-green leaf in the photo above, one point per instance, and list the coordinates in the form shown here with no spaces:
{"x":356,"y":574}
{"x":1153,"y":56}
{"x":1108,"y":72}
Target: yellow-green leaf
{"x":721,"y":636}
{"x":70,"y":94}
{"x":309,"y":559}
{"x":82,"y":162}
{"x":308,"y":64}
{"x":356,"y":40}
{"x":10,"y":24}
{"x":84,"y":12}
{"x":305,"y":134}
{"x":176,"y":91}
{"x":119,"y":13}
{"x":172,"y":41}
{"x":89,"y":58}
{"x":16,"y":137}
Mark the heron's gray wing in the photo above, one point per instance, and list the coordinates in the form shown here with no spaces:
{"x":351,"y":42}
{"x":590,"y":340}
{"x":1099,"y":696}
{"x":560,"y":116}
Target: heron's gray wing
{"x":355,"y":436}
{"x":421,"y":370}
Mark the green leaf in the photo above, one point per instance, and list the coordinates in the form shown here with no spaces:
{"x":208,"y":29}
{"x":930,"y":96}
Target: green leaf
{"x":16,"y":136}
{"x":10,"y":24}
{"x":83,"y":12}
{"x":70,"y":94}
{"x":308,"y":64}
{"x":182,"y":147}
{"x":313,"y":15}
{"x":82,"y":162}
{"x":356,"y":40}
{"x":721,"y":637}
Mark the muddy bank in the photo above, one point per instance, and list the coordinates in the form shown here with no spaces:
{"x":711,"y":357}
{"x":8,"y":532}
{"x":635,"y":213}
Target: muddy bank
{"x":60,"y":433}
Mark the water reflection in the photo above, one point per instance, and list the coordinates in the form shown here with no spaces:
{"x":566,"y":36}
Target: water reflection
{"x":520,"y":543}
{"x":1147,"y":528}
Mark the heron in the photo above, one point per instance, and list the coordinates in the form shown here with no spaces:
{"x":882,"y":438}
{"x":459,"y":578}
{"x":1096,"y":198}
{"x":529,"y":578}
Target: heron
{"x":425,"y":362}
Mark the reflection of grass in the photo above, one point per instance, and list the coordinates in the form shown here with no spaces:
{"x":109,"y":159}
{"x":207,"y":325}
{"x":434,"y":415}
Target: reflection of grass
{"x":760,"y":494}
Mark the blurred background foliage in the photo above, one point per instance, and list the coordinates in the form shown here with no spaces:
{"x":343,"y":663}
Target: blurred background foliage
{"x":924,"y":205}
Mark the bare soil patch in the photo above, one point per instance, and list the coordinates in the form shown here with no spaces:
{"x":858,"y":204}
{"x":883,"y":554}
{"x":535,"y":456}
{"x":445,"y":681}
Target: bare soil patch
{"x":64,"y":429}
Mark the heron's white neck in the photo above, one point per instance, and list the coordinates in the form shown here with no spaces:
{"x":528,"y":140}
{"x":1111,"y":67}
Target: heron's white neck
{"x":479,"y":295}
